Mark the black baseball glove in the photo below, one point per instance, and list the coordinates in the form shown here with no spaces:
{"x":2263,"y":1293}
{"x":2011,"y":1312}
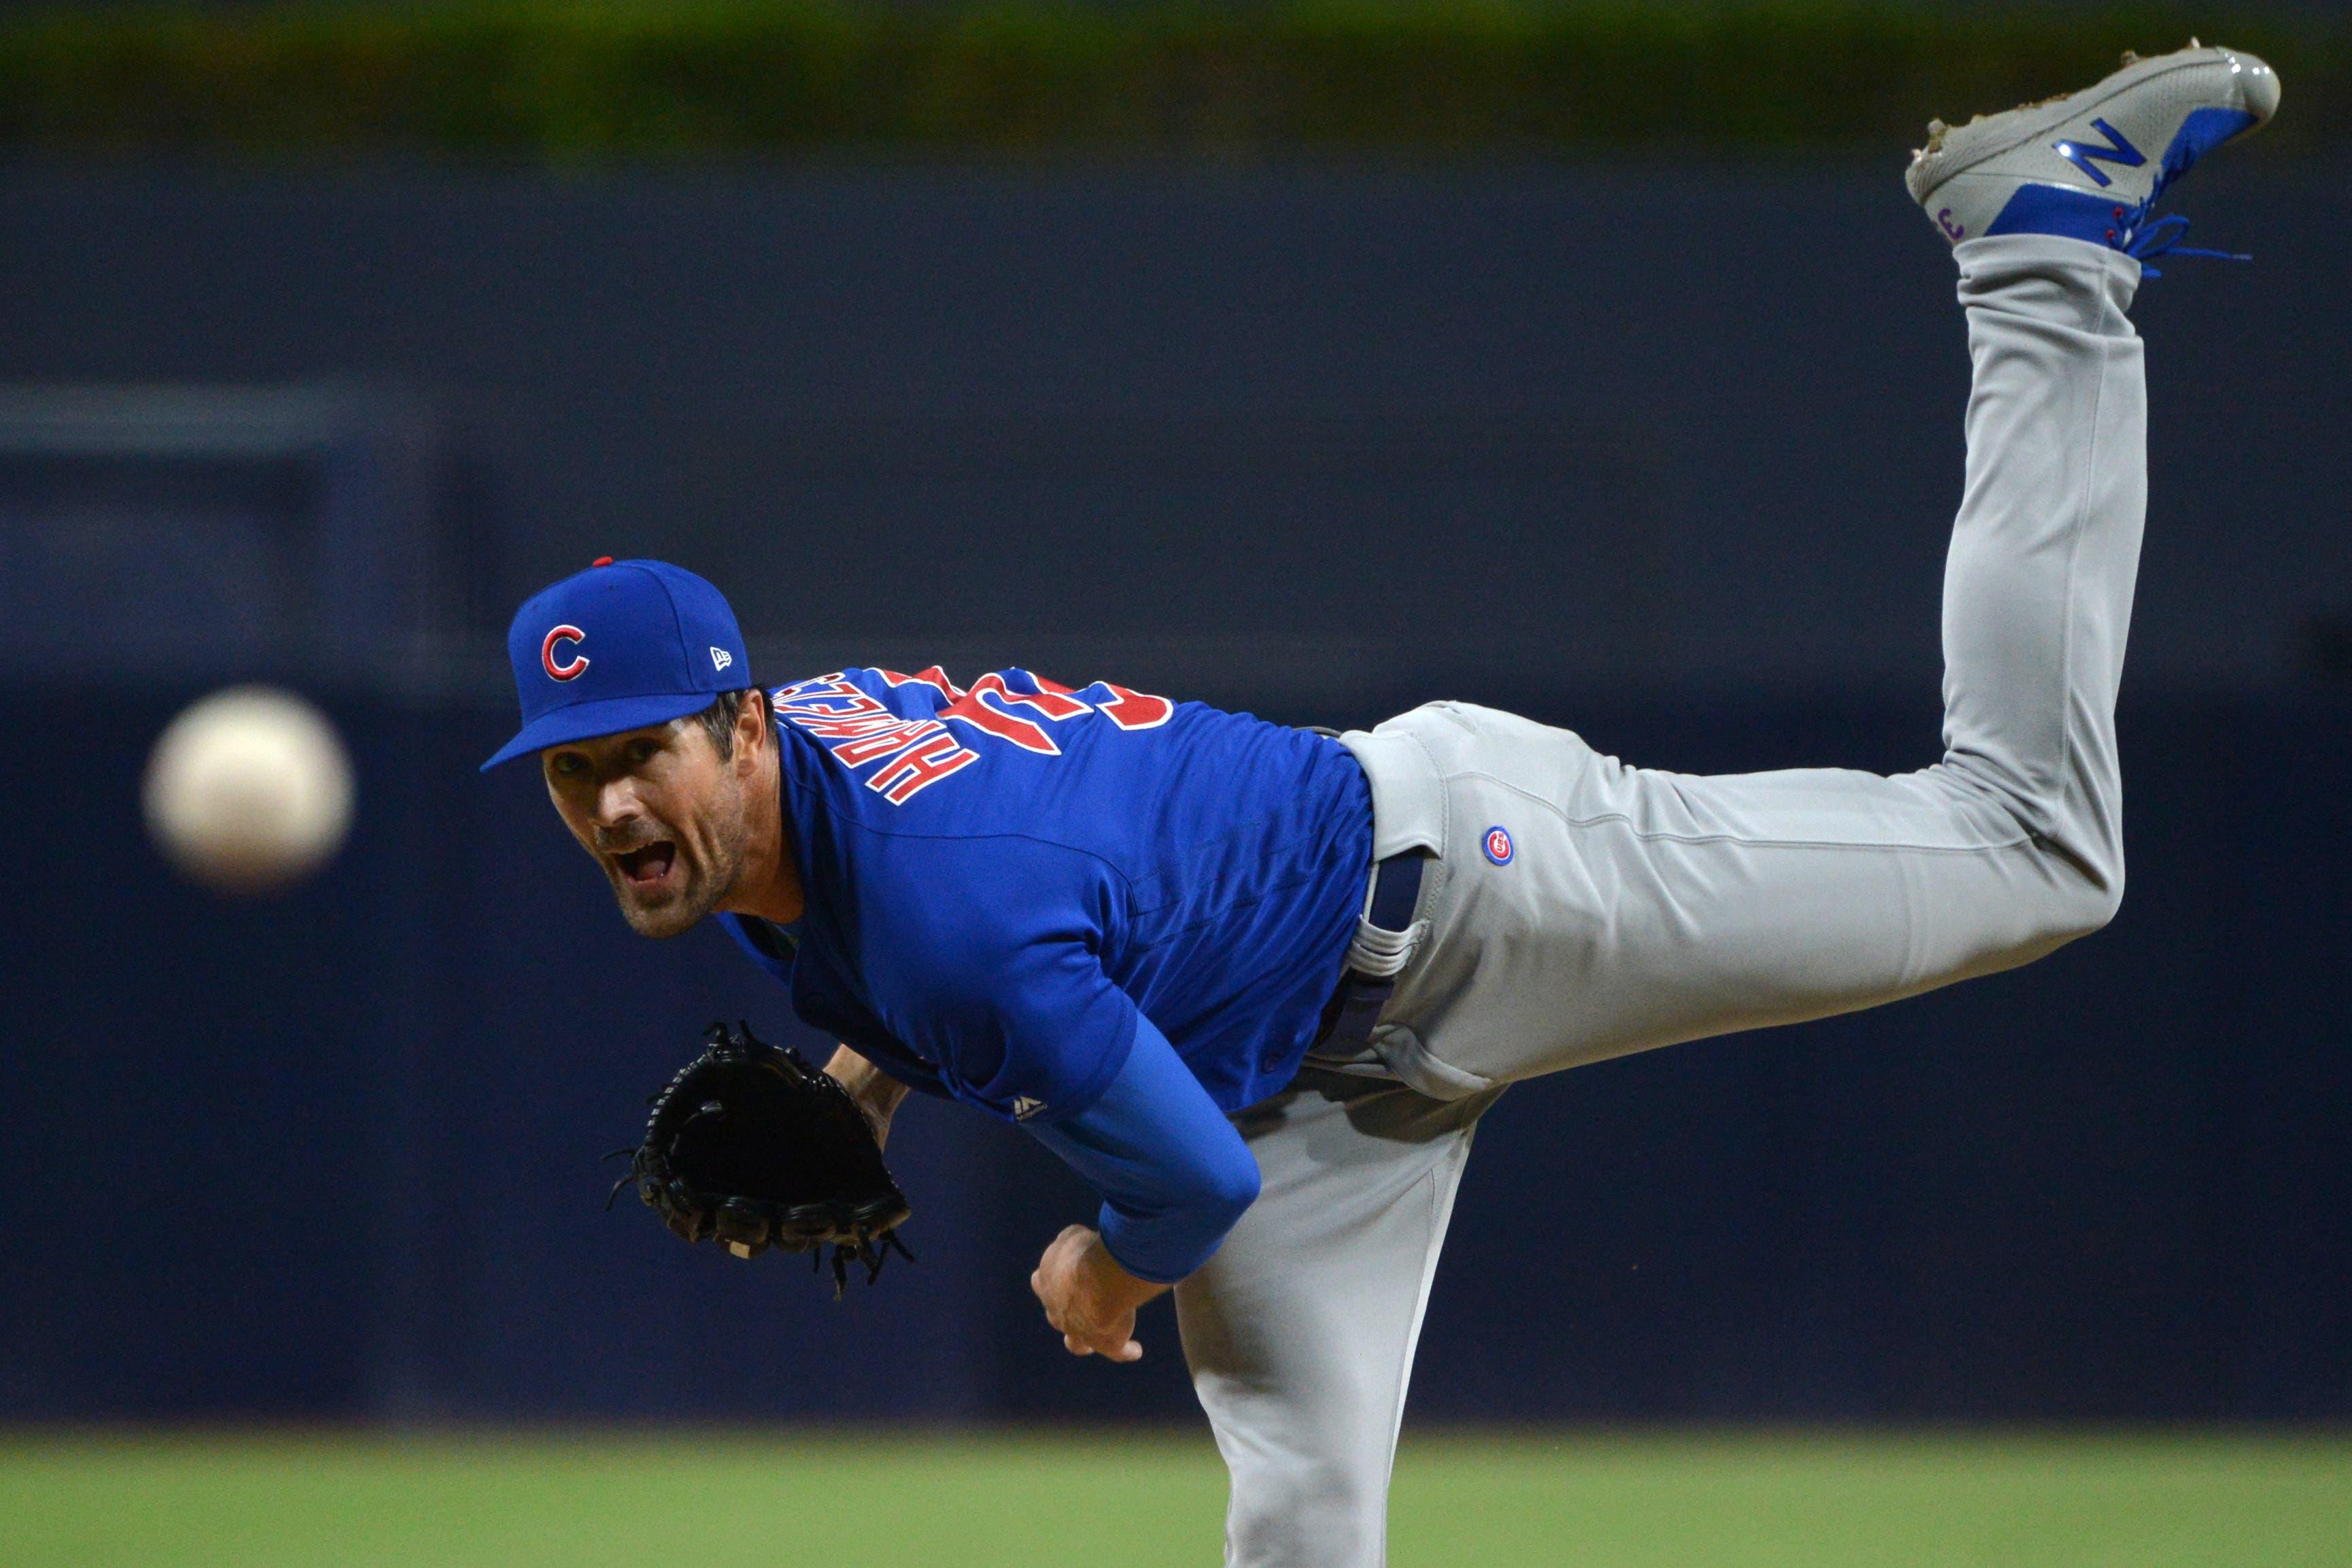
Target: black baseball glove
{"x":752,"y":1145}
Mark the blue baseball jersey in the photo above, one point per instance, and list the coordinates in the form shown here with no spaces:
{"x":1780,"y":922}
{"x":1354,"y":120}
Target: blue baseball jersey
{"x":1000,"y":881}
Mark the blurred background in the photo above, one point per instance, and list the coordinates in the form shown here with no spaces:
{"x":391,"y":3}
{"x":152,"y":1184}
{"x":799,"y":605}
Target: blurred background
{"x":1311,"y":359}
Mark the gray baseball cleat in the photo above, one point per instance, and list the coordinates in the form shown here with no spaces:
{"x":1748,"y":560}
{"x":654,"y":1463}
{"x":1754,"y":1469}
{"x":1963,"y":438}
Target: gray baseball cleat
{"x":2087,"y":165}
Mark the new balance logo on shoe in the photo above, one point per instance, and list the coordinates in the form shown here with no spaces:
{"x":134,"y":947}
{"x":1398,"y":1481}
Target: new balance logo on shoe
{"x":2117,"y":150}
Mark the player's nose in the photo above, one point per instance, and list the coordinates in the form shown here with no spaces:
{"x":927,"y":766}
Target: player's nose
{"x":617,"y":803}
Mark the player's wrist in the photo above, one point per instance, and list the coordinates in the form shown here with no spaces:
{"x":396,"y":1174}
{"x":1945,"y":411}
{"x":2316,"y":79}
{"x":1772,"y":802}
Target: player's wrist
{"x":1108,"y":1280}
{"x":876,"y":1092}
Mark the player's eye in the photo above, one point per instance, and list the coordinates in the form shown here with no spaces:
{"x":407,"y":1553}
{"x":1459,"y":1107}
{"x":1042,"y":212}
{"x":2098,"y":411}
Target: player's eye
{"x":642,"y":751}
{"x":567,"y":765}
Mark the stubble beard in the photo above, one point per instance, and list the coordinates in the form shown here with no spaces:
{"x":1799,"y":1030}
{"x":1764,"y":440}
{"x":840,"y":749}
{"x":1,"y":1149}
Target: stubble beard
{"x":705,"y":884}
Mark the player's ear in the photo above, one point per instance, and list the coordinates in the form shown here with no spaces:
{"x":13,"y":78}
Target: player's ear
{"x":751,"y":723}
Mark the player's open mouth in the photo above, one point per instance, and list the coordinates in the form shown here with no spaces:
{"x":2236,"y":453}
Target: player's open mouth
{"x":644,"y":867}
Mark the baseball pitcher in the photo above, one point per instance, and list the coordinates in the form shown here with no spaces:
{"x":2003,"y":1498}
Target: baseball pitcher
{"x":1257,"y":985}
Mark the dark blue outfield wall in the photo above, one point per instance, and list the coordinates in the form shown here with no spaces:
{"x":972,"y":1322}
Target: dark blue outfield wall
{"x":337,"y":1155}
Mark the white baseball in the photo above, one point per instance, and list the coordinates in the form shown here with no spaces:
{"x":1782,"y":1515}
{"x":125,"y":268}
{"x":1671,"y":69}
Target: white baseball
{"x":249,"y":790}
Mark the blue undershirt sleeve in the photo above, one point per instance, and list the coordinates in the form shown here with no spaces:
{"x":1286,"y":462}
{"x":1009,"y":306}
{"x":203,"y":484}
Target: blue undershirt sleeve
{"x":1174,"y":1175}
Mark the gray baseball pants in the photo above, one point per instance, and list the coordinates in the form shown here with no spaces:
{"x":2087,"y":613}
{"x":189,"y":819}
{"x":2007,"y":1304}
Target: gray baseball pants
{"x":1637,"y":908}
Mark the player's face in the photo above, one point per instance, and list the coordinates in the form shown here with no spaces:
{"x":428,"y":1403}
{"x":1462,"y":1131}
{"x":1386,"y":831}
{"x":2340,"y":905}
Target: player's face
{"x":663,"y":813}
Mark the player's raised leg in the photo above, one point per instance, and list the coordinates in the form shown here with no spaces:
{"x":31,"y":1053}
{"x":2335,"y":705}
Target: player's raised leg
{"x":1624,"y":908}
{"x":1300,"y":1331}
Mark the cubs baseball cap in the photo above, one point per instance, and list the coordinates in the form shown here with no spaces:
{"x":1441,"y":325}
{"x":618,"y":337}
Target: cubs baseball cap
{"x":621,"y":645}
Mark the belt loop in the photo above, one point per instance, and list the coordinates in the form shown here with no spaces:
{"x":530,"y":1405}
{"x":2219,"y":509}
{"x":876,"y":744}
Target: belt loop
{"x":1386,"y":936}
{"x":1396,"y":889}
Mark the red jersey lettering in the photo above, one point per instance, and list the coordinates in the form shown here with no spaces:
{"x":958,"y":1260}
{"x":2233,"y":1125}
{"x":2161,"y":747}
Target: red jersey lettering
{"x":911,"y":753}
{"x":969,"y":709}
{"x":934,"y":677}
{"x":920,"y":767}
{"x":1132,"y":710}
{"x":1051,"y":698}
{"x":883,"y":743}
{"x":826,"y":695}
{"x":848,"y":728}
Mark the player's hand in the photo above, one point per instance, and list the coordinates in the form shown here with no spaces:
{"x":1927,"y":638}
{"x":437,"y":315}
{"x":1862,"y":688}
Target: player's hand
{"x":1088,"y":1297}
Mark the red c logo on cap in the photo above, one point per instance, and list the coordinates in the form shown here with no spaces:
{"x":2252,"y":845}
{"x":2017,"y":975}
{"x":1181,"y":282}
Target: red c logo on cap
{"x":570,"y":669}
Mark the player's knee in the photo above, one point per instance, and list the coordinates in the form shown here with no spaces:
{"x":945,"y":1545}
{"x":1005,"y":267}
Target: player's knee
{"x":1308,"y":1513}
{"x":2080,"y":868}
{"x":2081,"y":900}
{"x":2106,"y":902}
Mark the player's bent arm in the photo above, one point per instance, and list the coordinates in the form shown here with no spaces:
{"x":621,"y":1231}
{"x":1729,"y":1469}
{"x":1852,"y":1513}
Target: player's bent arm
{"x":1173,"y":1174}
{"x":876,"y":1092}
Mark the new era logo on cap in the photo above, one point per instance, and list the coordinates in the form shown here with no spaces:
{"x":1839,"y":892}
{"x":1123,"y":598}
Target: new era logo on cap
{"x":664,"y":643}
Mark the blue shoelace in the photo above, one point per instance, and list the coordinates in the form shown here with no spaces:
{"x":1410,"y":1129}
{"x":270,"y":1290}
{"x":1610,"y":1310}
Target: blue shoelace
{"x":2163,"y":236}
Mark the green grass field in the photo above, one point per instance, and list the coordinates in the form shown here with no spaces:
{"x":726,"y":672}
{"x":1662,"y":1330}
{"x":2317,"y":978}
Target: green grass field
{"x":715,"y":1501}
